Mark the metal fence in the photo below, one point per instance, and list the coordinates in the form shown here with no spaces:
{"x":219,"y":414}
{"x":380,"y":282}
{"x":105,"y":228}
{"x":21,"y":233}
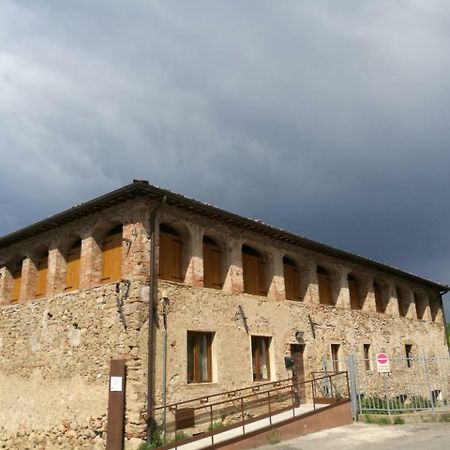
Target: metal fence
{"x":411,"y":384}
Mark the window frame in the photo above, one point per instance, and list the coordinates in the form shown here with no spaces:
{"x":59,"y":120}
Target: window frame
{"x":256,"y":350}
{"x":335,"y":353}
{"x":193,"y":354}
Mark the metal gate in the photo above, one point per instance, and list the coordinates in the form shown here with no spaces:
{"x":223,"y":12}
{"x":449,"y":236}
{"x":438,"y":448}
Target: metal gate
{"x":411,"y":384}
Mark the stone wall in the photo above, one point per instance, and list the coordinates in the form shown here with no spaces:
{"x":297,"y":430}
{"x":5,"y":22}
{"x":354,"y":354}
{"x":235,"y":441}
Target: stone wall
{"x":54,"y":368}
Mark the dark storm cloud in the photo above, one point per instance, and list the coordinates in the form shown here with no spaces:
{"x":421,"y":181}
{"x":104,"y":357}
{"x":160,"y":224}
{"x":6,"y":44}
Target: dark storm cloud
{"x":330,"y":119}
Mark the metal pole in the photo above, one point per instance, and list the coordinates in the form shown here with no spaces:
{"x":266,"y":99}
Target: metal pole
{"x":427,"y":384}
{"x":353,"y":386}
{"x":164,"y":375}
{"x":385,"y":394}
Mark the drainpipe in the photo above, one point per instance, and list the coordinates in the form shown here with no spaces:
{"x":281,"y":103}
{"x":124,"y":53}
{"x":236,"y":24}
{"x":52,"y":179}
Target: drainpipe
{"x":443,"y":316}
{"x":153,"y":291}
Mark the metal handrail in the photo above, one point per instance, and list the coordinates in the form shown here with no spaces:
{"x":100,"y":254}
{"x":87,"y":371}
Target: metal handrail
{"x":286,"y":390}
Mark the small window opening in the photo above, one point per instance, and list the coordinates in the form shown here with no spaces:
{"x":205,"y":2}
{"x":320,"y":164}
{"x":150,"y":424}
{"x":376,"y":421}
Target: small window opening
{"x":408,"y":353}
{"x":367,"y":356}
{"x":335,"y":357}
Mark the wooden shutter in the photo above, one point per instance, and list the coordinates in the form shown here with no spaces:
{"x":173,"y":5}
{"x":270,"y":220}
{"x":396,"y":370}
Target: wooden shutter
{"x":250,"y":273}
{"x":112,"y":258}
{"x":291,"y":280}
{"x":73,"y":268}
{"x":261,"y":280}
{"x":170,"y":256}
{"x":212,"y":266}
{"x":41,"y":285}
{"x":378,"y":293}
{"x":254,"y":272}
{"x":355,"y":296}
{"x":17,"y":277}
{"x":325,"y":294}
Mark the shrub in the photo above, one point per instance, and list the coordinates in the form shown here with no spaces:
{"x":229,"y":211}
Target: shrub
{"x":398,"y":420}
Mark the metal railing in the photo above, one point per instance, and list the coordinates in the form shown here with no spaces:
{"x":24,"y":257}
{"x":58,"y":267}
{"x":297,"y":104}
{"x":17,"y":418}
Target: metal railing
{"x":205,"y":417}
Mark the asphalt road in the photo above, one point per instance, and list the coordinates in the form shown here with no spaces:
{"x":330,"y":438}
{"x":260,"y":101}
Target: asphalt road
{"x":360,"y":436}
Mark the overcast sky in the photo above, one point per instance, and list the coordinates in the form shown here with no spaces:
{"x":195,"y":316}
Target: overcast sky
{"x":329,"y":119}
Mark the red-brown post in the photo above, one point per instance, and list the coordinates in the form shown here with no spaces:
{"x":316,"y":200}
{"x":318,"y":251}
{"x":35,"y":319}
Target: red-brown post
{"x":116,"y":405}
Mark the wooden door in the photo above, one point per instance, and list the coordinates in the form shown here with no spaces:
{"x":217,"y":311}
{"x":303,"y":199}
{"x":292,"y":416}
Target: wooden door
{"x":297,"y":351}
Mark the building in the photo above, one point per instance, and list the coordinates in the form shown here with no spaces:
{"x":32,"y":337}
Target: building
{"x":239,"y":296}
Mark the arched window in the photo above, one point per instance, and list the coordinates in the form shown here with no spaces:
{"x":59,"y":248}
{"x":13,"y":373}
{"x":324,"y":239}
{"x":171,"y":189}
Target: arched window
{"x":112,"y":256}
{"x":355,"y":292}
{"x":253,"y":268}
{"x":73,"y":267}
{"x":42,"y":269}
{"x":17,"y":283}
{"x":291,"y":279}
{"x":378,"y":291}
{"x":325,"y":286}
{"x":402,"y":303}
{"x":421,"y":305}
{"x":212,"y":264}
{"x":170,"y":254}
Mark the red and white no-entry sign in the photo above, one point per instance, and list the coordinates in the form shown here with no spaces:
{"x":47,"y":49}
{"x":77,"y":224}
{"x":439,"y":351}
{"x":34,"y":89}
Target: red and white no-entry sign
{"x":383,"y":365}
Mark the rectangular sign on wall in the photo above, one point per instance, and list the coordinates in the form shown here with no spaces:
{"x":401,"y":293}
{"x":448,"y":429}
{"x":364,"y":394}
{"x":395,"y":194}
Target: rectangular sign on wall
{"x":383,"y":365}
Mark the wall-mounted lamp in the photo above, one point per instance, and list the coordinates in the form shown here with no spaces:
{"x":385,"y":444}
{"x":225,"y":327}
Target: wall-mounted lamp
{"x":299,"y":335}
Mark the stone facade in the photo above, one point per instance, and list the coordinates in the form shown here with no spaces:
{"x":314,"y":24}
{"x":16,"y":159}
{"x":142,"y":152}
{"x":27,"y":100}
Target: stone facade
{"x":55,"y":351}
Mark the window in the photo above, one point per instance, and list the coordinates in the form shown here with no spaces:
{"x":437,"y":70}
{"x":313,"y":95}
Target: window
{"x":199,"y":359}
{"x":291,"y":279}
{"x":420,"y":303}
{"x":41,"y":285}
{"x":355,"y":293}
{"x":170,"y":254}
{"x":408,"y":353}
{"x":17,"y":282}
{"x":112,"y":256}
{"x":260,"y":358}
{"x":402,"y":304}
{"x":73,"y":267}
{"x":325,"y":286}
{"x":253,"y":268}
{"x":212,"y":264}
{"x":379,"y":297}
{"x":335,"y":356}
{"x":367,"y":363}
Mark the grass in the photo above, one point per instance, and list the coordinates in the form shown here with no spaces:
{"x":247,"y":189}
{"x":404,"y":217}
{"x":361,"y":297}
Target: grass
{"x":273,"y":437}
{"x":216,"y":426}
